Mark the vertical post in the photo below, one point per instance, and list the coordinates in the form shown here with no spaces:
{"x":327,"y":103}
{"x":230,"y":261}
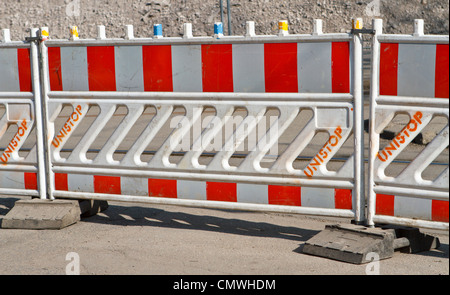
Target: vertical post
{"x":250,"y":29}
{"x":38,"y":111}
{"x":358,"y":123}
{"x":221,"y":10}
{"x":377,"y":25}
{"x":230,"y":32}
{"x":6,"y":36}
{"x":418,"y":27}
{"x":101,"y":33}
{"x":187,"y":31}
{"x":129,"y":33}
{"x":317,"y":27}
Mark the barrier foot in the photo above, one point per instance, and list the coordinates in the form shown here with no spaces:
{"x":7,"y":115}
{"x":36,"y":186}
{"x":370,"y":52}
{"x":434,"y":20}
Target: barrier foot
{"x":357,"y":244}
{"x":42,"y":214}
{"x":91,"y":207}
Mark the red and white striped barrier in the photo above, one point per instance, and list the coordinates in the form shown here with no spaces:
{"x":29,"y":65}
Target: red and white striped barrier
{"x":18,"y":103}
{"x":410,"y":75}
{"x":401,"y":206}
{"x":319,"y":67}
{"x":419,"y":70}
{"x":15,"y":73}
{"x":190,"y":190}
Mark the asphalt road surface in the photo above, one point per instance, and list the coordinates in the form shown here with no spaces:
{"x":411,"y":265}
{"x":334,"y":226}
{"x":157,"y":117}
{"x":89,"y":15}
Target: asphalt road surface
{"x":130,"y":238}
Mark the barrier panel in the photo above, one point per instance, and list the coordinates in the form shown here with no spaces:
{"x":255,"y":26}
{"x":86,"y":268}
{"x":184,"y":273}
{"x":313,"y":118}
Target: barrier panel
{"x":410,"y":78}
{"x":271,"y":123}
{"x":20,"y":145}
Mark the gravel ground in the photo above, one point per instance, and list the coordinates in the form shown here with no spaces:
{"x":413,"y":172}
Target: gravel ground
{"x":58,"y":15}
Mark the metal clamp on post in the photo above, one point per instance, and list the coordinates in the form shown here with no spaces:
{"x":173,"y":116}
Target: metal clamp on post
{"x":42,"y":35}
{"x":32,"y":39}
{"x":363,"y":31}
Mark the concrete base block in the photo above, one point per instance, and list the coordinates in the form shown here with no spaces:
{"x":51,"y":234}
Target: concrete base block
{"x":42,"y":214}
{"x":354,"y":243}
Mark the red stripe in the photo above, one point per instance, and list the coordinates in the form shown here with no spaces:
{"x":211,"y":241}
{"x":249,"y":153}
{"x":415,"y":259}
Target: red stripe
{"x":30,"y":180}
{"x":343,"y":199}
{"x":385,"y":205}
{"x":439,"y":210}
{"x":163,"y":188}
{"x":285,"y":195}
{"x":101,"y":68}
{"x":54,"y":68}
{"x":23,"y":63}
{"x":157,"y":62}
{"x":107,"y":184}
{"x":280,"y":67}
{"x":221,"y":191}
{"x":442,"y":68}
{"x":217,"y":68}
{"x":61,"y":183}
{"x":388,"y":68}
{"x":340,"y":67}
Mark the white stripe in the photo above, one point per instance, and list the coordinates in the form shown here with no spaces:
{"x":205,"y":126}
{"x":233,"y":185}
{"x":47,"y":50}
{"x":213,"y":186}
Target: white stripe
{"x":80,"y":183}
{"x":135,"y":186}
{"x":9,"y":70}
{"x":12,"y":179}
{"x":252,"y":193}
{"x":129,"y":70}
{"x":248,"y":68}
{"x":187,"y":68}
{"x":314,"y":67}
{"x":74,"y":72}
{"x":193,"y":190}
{"x":412,"y":207}
{"x":416,"y":69}
{"x":318,"y":197}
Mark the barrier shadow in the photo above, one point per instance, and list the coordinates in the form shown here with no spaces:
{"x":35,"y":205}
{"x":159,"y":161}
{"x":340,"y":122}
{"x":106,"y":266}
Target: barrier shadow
{"x":441,"y":252}
{"x":143,"y":216}
{"x":6,"y":204}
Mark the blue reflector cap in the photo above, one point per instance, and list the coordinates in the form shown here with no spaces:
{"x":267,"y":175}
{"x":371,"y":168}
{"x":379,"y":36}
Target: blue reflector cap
{"x":157,"y":30}
{"x":218,"y":28}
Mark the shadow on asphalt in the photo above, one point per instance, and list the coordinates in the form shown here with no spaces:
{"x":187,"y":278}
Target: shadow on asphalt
{"x":141,"y":216}
{"x":6,"y":204}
